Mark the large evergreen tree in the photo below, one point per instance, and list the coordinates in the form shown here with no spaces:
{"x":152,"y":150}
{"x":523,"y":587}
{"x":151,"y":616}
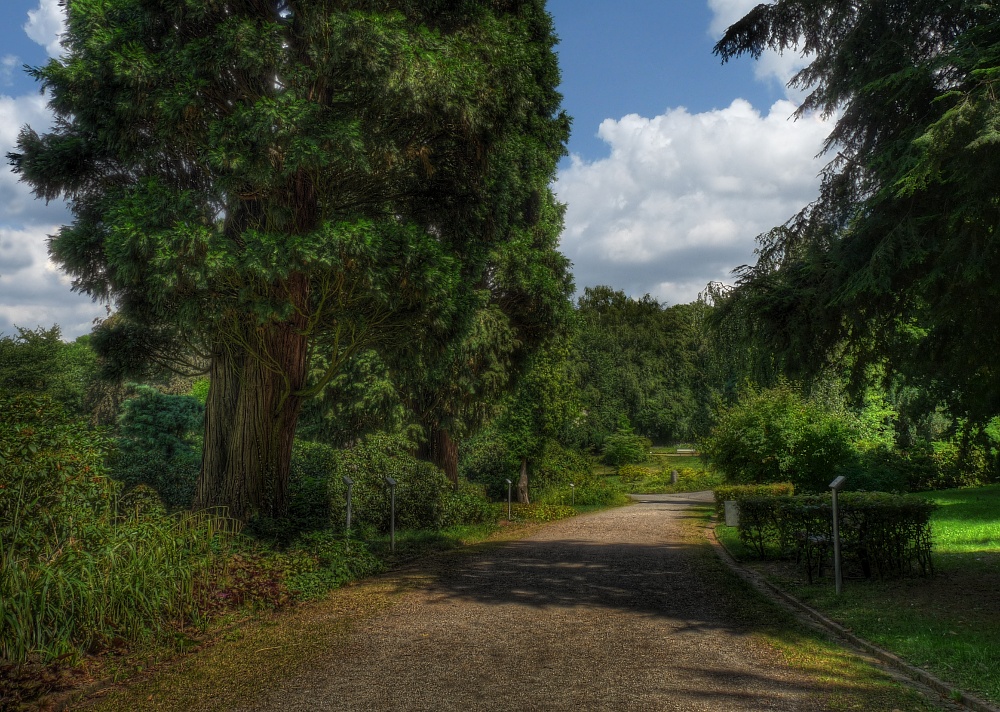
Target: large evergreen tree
{"x":896,"y":261}
{"x":267,"y":181}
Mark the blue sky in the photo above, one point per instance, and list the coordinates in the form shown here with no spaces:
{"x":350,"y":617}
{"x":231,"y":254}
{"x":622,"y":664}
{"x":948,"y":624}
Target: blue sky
{"x":676,"y":164}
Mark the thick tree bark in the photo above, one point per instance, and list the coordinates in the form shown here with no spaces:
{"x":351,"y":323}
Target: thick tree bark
{"x":522,"y":483}
{"x":250,"y":420}
{"x":442,"y":451}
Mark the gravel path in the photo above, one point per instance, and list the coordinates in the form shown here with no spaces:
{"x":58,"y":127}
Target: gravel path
{"x":598,"y":612}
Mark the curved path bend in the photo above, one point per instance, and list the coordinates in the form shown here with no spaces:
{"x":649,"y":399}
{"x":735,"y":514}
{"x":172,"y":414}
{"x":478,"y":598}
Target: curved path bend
{"x":610,"y":611}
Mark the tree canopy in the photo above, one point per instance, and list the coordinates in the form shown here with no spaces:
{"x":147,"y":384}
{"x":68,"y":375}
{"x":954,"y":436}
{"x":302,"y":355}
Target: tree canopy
{"x":896,"y":261}
{"x":268,"y":182}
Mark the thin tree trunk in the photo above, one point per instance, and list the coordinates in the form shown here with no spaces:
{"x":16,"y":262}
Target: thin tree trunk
{"x":522,"y":483}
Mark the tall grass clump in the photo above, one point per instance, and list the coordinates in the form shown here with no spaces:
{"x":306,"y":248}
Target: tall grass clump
{"x":81,"y":569}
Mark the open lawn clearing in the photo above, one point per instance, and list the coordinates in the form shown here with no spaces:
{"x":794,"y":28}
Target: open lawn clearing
{"x":950,"y":624}
{"x":622,"y":609}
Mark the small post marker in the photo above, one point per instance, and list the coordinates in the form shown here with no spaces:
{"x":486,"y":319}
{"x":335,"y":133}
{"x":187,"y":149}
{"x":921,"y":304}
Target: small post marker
{"x":572,"y":489}
{"x":509,"y":483}
{"x":392,"y":513}
{"x":350,"y":485}
{"x":673,"y":477}
{"x":835,"y":486}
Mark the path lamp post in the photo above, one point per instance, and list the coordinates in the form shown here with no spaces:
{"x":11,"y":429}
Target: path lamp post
{"x":392,"y":513}
{"x":350,"y":486}
{"x":572,"y":489}
{"x":509,"y":483}
{"x":835,"y":486}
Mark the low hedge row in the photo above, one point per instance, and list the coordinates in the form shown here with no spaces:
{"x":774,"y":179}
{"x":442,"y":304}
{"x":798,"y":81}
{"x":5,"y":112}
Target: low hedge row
{"x":882,"y":535}
{"x":741,"y":492}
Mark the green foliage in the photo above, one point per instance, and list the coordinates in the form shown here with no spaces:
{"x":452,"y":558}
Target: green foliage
{"x":776,"y":435}
{"x":740,"y":492}
{"x":158,"y":445}
{"x":467,"y":505}
{"x":882,"y":535}
{"x":641,"y":361}
{"x":78,"y":568}
{"x":633,"y":473}
{"x":625,"y":448}
{"x":540,"y":512}
{"x":321,"y":561}
{"x":39,"y":362}
{"x":487,"y":459}
{"x":893,"y":265}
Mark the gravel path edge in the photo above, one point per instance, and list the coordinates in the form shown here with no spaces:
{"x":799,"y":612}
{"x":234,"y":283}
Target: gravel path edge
{"x":952,"y":694}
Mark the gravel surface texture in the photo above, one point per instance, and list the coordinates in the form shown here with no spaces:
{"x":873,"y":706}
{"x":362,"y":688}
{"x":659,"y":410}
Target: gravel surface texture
{"x":599,"y":612}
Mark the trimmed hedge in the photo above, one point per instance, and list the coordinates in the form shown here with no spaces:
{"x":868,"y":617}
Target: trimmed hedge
{"x":740,"y":492}
{"x":882,"y":535}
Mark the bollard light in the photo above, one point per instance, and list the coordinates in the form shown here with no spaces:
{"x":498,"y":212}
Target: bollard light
{"x":838,"y":580}
{"x":572,"y":489}
{"x":350,"y":485}
{"x":392,"y":513}
{"x":509,"y":483}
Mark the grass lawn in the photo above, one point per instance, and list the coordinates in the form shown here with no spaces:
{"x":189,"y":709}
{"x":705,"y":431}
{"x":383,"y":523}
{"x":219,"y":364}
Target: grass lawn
{"x":949,"y":624}
{"x":694,"y":476}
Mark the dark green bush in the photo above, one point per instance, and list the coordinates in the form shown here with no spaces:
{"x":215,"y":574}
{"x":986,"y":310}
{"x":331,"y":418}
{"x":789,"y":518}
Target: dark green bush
{"x":625,"y":448}
{"x":467,"y":505}
{"x":882,"y":535}
{"x":158,"y":445}
{"x":421,"y":494}
{"x":488,"y":460}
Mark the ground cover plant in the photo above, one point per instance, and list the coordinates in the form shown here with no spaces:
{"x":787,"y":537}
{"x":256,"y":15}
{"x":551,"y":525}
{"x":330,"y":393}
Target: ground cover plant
{"x":950,"y":623}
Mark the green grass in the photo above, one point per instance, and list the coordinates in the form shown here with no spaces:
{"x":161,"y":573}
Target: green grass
{"x":949,"y":624}
{"x":968,"y":521}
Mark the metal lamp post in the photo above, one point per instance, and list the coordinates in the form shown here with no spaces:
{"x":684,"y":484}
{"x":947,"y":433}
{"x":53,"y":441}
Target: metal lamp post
{"x":392,"y":513}
{"x":572,"y":490}
{"x":835,"y":486}
{"x":350,"y":486}
{"x":509,"y":483}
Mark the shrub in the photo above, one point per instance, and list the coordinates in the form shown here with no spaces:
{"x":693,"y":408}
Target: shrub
{"x":467,"y":505}
{"x":76,"y":570}
{"x":776,"y":435}
{"x":420,"y":496}
{"x":626,"y":448}
{"x":633,"y":473}
{"x":740,"y":492}
{"x":488,"y":460}
{"x":158,"y":445}
{"x":882,"y":535}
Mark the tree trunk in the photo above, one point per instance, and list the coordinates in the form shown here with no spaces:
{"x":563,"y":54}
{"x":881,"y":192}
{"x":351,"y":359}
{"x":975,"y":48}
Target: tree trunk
{"x":250,"y":421}
{"x":522,"y":483}
{"x":442,"y":451}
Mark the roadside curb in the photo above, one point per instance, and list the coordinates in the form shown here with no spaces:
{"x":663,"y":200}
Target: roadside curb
{"x":952,"y":694}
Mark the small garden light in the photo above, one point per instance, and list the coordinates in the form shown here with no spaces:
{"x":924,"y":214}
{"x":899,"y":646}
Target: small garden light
{"x":509,"y":483}
{"x":392,"y":513}
{"x":835,"y":486}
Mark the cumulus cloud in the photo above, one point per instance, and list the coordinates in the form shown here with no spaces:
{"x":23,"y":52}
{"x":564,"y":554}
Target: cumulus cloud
{"x":46,"y":25}
{"x":771,"y":66}
{"x":682,"y":196}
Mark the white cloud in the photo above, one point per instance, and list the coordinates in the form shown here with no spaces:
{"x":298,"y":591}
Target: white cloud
{"x":46,"y":24}
{"x":771,"y":66}
{"x":682,"y":196}
{"x":33,"y":291}
{"x":7,"y":64}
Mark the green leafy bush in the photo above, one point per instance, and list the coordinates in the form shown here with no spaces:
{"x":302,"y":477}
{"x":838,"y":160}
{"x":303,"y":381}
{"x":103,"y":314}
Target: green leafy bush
{"x":321,"y":561}
{"x":777,"y":435}
{"x":633,"y":473}
{"x":882,"y":535}
{"x":421,"y":495}
{"x":158,"y":445}
{"x":626,"y":448}
{"x":740,"y":492}
{"x":78,"y":571}
{"x":467,"y":505}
